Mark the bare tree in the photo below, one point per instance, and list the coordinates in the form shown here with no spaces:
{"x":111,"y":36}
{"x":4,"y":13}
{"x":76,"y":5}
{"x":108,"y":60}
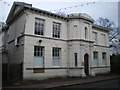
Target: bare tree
{"x":105,"y":22}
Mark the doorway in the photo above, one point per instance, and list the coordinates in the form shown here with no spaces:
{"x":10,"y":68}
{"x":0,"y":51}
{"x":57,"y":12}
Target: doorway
{"x":86,"y":64}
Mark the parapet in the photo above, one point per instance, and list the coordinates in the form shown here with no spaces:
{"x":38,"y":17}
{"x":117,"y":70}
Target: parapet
{"x":80,"y":16}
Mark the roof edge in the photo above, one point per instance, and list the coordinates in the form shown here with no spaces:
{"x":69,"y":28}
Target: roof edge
{"x":100,"y":27}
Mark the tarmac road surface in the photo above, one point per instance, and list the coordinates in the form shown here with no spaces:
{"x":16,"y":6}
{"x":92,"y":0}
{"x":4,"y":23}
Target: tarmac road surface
{"x":112,"y":83}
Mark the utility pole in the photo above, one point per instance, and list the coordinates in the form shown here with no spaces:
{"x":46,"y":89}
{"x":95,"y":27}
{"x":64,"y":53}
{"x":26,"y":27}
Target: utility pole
{"x":119,"y":27}
{"x":1,"y":43}
{"x":119,"y":21}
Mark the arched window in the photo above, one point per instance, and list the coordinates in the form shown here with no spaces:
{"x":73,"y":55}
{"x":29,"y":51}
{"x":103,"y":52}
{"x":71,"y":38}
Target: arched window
{"x":75,"y":31}
{"x":75,"y":26}
{"x":86,"y":32}
{"x":75,"y":55}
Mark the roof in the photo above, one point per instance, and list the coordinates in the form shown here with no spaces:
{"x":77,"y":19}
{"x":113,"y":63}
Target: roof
{"x":83,"y":16}
{"x":26,"y":6}
{"x":100,"y":27}
{"x":15,"y":4}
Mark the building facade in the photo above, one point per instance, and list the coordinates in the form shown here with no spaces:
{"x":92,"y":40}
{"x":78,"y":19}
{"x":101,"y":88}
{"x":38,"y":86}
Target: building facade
{"x":50,"y":45}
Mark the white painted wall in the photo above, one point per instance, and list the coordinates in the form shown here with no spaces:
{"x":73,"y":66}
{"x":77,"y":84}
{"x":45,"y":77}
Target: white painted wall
{"x":30,"y":24}
{"x":101,"y":70}
{"x":25,"y":52}
{"x":30,"y":42}
{"x":15,"y":54}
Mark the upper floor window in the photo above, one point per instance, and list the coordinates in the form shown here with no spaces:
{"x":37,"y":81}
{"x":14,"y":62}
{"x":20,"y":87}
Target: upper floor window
{"x":86,"y":33}
{"x":75,"y":55}
{"x":103,"y":39}
{"x":56,"y":30}
{"x":39,"y":26}
{"x":75,"y":26}
{"x":94,"y":35}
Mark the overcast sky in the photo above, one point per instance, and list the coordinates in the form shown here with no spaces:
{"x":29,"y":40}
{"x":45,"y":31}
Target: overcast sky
{"x":101,"y":8}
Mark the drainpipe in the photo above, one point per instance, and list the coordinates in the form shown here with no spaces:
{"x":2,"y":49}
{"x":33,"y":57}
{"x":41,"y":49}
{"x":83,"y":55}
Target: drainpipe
{"x":68,"y":61}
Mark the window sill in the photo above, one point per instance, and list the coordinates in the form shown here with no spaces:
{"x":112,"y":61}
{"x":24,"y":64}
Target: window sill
{"x":56,"y":66}
{"x":47,"y":37}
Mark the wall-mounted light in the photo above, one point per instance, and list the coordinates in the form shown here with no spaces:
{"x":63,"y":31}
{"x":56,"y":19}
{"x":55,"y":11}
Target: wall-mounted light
{"x":40,"y":41}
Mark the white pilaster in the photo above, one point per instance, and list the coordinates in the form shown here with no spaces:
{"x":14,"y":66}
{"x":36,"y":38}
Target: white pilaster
{"x":91,"y":61}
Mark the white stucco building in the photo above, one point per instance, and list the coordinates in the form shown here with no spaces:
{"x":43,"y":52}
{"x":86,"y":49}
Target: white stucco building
{"x":49,"y":45}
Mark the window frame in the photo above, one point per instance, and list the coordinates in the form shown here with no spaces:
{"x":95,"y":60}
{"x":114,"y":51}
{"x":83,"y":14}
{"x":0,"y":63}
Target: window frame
{"x":39,"y":52}
{"x":39,"y":26}
{"x":104,"y":60}
{"x":95,"y":38}
{"x":95,"y":57}
{"x":56,"y":30}
{"x":103,"y":35}
{"x":56,"y":54}
{"x":76,"y":59}
{"x":39,"y":69}
{"x":86,"y":33}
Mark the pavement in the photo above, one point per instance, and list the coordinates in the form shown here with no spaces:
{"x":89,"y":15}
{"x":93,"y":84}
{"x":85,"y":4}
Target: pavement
{"x":60,"y":81}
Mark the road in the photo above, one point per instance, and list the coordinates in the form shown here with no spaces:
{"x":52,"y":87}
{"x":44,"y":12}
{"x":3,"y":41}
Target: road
{"x":112,"y":83}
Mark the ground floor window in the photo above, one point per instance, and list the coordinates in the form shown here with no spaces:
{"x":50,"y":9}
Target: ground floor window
{"x":38,"y":58}
{"x":95,"y":58}
{"x":75,"y":55}
{"x":56,"y":53}
{"x":104,"y":62}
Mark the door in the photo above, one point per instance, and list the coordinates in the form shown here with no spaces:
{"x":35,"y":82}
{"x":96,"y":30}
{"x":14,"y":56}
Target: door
{"x":86,"y":64}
